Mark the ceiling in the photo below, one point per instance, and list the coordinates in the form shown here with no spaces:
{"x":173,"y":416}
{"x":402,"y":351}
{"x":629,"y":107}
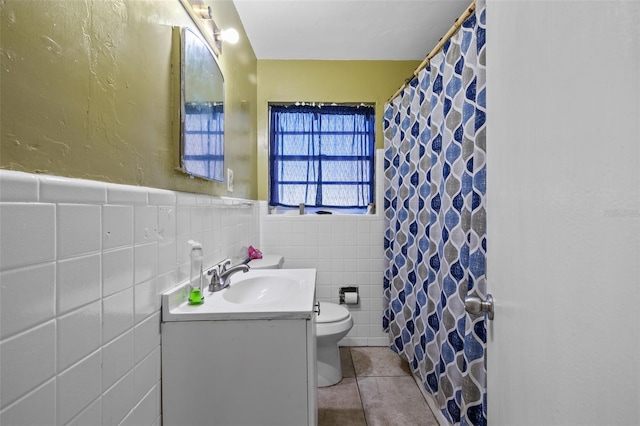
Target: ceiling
{"x":347,"y":29}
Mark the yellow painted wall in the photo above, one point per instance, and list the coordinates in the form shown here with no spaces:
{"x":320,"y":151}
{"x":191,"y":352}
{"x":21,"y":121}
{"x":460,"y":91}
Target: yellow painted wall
{"x":87,"y":90}
{"x":323,"y":81}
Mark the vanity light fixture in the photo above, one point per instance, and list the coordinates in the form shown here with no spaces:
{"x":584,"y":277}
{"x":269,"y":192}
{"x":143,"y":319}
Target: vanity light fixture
{"x":203,"y":11}
{"x":229,"y":35}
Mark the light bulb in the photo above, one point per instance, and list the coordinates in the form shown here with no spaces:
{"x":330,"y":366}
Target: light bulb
{"x":230,"y":35}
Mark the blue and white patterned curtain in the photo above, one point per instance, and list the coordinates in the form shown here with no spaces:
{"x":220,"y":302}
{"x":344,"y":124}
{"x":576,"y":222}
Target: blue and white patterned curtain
{"x":435,"y":241}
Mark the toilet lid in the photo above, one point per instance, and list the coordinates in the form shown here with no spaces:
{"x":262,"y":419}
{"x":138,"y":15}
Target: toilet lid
{"x":330,"y":312}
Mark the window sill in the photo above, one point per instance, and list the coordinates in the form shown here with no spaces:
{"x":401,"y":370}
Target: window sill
{"x":294,"y":211}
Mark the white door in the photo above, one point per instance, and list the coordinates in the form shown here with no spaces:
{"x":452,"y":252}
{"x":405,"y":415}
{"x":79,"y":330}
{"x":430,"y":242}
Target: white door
{"x":563,"y":204}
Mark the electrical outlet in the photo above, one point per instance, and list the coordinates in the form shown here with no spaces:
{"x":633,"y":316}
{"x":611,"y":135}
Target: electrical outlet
{"x":229,"y":180}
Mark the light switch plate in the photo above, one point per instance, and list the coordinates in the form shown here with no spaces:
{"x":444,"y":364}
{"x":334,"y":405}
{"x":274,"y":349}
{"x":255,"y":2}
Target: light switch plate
{"x":229,"y":180}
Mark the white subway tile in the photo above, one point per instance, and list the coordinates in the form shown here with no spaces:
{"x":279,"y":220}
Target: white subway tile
{"x":117,"y":226}
{"x":118,"y":401}
{"x":117,"y":359}
{"x":337,"y":264}
{"x":78,"y":229}
{"x":27,"y":234}
{"x":117,"y":314}
{"x":183,"y":249}
{"x":323,"y":292}
{"x":147,"y":411}
{"x":166,"y":281}
{"x":92,"y":415}
{"x":161,"y":197}
{"x":147,"y":336}
{"x":145,"y":260}
{"x":27,"y":361}
{"x":77,"y":282}
{"x":185,"y":198}
{"x":166,"y":222}
{"x":27,"y":298}
{"x":146,"y":374}
{"x":375,"y":330}
{"x":57,"y":189}
{"x":117,"y":270}
{"x":207,"y":219}
{"x":376,"y":303}
{"x":376,"y":279}
{"x":78,"y":387}
{"x":147,"y":300}
{"x":183,"y":220}
{"x":208,"y":244}
{"x":18,"y":187}
{"x":126,"y":194}
{"x":37,"y":408}
{"x":364,"y":290}
{"x":377,"y":341}
{"x":376,"y":239}
{"x":167,"y":256}
{"x":203,"y":199}
{"x":325,"y":252}
{"x":145,"y":226}
{"x":78,"y":334}
{"x":197,"y":219}
{"x":183,"y":271}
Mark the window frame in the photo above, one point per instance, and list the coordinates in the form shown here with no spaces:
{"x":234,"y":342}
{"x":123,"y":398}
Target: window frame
{"x":364,"y":188}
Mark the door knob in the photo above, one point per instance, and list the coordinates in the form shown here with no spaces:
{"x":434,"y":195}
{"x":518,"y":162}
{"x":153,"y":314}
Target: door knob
{"x":475,"y":306}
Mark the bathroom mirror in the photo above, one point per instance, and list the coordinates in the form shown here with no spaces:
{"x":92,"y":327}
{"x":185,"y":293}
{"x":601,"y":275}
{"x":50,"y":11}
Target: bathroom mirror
{"x":202,"y":109}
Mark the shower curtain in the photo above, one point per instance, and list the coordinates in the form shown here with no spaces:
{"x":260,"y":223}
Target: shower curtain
{"x":435,"y":239}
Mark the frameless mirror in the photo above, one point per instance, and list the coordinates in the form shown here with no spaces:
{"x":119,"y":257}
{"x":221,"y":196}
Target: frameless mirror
{"x":202,"y":109}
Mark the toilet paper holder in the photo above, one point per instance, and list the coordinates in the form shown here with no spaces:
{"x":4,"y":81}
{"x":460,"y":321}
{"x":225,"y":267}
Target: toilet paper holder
{"x":342,"y":294}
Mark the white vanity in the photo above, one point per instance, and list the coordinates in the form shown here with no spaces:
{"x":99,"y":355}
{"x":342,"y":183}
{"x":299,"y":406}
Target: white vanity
{"x":247,"y":356}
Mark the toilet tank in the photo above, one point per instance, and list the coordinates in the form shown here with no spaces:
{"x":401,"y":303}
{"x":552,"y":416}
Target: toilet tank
{"x":270,"y":261}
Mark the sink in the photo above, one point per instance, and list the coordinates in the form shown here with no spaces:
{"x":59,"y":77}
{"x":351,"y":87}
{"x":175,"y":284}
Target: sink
{"x":257,"y":294}
{"x":259,"y":290}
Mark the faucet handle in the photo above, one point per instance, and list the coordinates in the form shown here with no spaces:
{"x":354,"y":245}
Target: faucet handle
{"x":214,"y":273}
{"x":224,"y":264}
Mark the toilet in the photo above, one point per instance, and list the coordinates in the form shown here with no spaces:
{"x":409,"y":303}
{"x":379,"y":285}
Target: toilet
{"x":333,"y":322}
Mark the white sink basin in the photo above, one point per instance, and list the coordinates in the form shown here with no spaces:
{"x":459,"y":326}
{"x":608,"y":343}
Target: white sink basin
{"x":259,"y":290}
{"x":263,"y":293}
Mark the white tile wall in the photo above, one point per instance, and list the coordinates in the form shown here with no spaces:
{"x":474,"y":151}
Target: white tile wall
{"x":82,"y":264}
{"x":346,"y":250}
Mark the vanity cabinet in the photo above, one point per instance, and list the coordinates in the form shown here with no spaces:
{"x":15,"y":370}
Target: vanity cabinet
{"x":239,"y":372}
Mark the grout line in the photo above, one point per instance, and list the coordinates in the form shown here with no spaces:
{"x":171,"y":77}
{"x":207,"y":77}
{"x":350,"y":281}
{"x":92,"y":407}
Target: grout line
{"x":355,"y":374}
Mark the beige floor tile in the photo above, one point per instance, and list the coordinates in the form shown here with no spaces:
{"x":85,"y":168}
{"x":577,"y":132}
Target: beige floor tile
{"x":379,"y":361}
{"x":346,"y":362}
{"x":340,"y":404}
{"x":392,"y":401}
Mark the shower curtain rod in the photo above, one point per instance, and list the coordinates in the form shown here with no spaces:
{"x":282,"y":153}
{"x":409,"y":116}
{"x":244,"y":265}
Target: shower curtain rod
{"x":454,"y":28}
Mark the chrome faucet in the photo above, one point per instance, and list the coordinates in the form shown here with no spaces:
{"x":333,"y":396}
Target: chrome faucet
{"x":221,"y":276}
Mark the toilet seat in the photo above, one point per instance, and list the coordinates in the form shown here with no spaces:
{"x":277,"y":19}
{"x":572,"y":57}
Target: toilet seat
{"x":334,"y":321}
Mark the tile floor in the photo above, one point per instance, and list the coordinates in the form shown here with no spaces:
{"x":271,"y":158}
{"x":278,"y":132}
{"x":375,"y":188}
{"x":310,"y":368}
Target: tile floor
{"x":377,"y":389}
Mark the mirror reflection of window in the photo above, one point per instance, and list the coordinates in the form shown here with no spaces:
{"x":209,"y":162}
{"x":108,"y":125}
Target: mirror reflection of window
{"x":202,"y":118}
{"x":204,"y":134}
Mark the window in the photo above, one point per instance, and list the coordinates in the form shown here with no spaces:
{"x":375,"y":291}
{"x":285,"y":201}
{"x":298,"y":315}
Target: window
{"x":321,"y":156}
